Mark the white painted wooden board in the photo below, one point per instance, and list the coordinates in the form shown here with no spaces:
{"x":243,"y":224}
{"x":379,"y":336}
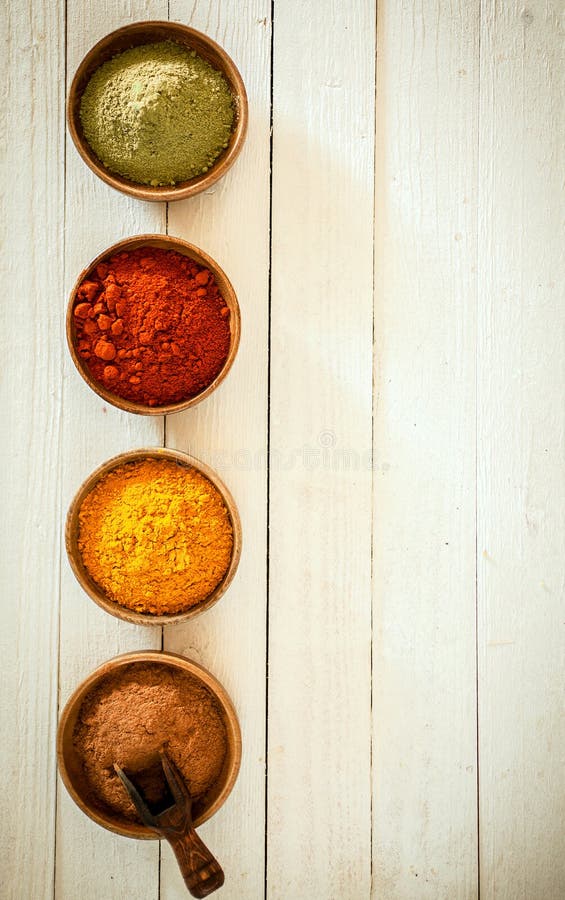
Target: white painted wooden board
{"x":424,"y":703}
{"x":231,"y":221}
{"x":30,"y":392}
{"x":467,"y":483}
{"x":91,"y":862}
{"x":521,"y":463}
{"x":319,"y":739}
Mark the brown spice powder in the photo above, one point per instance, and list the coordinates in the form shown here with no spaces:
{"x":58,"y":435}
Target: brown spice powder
{"x":133,"y":713}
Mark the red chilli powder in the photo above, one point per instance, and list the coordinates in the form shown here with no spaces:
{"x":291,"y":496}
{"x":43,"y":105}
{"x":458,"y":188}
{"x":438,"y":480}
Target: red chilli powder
{"x":152,"y":326}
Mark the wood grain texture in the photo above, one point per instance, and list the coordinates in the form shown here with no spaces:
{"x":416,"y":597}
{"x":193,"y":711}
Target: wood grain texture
{"x":229,"y":431}
{"x":30,"y":390}
{"x":424,"y":753}
{"x":319,"y":828}
{"x":467,"y":475}
{"x":91,"y":862}
{"x":521,"y":487}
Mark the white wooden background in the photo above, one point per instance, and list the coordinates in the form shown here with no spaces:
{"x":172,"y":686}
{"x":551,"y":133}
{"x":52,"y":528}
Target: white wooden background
{"x":401,"y":296}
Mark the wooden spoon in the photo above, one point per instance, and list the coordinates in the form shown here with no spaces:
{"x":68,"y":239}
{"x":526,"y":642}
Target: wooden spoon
{"x":172,"y":820}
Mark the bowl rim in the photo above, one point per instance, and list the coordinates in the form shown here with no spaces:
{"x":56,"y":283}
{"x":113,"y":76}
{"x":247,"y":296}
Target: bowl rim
{"x":228,"y":295}
{"x":177,"y":660}
{"x":97,"y":594}
{"x":224,"y":63}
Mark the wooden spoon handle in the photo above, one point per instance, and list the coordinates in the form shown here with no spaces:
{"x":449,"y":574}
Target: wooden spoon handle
{"x":202,"y":873}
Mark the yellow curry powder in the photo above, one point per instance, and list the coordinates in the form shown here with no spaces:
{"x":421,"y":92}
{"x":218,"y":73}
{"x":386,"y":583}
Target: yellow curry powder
{"x":155,"y":536}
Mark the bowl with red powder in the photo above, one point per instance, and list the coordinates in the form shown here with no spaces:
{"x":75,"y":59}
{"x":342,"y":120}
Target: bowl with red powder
{"x":153,"y":325}
{"x":129,"y":709}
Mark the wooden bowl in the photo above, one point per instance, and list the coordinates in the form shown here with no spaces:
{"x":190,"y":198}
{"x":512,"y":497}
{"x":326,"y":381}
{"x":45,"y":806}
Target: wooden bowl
{"x":163,"y":242}
{"x":96,"y":592}
{"x":69,"y":762}
{"x":150,"y":33}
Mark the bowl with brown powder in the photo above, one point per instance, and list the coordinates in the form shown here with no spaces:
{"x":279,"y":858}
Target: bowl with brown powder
{"x":158,"y":110}
{"x":153,"y":325}
{"x":154,"y":536}
{"x":128,"y":710}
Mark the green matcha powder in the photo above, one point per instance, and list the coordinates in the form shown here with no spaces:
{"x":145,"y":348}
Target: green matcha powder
{"x":157,"y":114}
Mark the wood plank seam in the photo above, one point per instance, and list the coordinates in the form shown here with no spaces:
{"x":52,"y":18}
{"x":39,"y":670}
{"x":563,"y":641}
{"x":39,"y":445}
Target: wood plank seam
{"x":373,"y":401}
{"x":477,"y":244}
{"x":60,"y":561}
{"x":268,"y":537}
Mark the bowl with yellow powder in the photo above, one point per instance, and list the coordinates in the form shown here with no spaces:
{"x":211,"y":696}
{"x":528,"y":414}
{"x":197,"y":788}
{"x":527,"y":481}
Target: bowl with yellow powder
{"x":154,"y":536}
{"x":158,"y":110}
{"x":129,"y":709}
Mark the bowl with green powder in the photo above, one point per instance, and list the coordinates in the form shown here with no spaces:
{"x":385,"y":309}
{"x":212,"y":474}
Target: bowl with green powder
{"x":158,"y":110}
